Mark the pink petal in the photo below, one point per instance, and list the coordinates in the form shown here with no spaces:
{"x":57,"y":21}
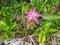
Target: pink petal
{"x":32,"y":15}
{"x":27,"y":20}
{"x":26,"y":13}
{"x":34,"y":9}
{"x":35,"y":20}
{"x":37,"y":14}
{"x":31,"y":9}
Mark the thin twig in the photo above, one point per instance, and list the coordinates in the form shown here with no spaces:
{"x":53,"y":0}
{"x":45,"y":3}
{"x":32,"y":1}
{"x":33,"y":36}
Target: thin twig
{"x":32,"y":39}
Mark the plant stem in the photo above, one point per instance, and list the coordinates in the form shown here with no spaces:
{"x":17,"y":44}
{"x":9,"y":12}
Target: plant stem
{"x":43,"y":5}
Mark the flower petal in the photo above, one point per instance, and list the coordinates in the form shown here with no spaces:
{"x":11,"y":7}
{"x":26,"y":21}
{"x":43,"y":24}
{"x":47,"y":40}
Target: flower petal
{"x":31,"y":9}
{"x":32,"y":15}
{"x":34,"y":9}
{"x":27,"y":20}
{"x":37,"y":14}
{"x":26,"y":13}
{"x":35,"y":20}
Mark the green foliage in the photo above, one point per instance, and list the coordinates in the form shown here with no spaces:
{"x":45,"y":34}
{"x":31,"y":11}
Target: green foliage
{"x":7,"y":24}
{"x":46,"y":31}
{"x":10,"y":9}
{"x":50,"y":16}
{"x":42,"y":37}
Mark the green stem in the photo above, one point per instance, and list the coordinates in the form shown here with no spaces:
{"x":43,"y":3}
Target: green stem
{"x":25,"y":26}
{"x":43,"y":5}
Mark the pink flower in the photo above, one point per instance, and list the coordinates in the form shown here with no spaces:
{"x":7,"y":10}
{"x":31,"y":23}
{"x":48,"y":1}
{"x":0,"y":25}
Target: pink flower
{"x":32,"y":15}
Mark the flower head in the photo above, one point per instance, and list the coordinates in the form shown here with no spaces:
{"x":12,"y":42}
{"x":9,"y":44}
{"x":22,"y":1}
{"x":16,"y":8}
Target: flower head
{"x":32,"y":15}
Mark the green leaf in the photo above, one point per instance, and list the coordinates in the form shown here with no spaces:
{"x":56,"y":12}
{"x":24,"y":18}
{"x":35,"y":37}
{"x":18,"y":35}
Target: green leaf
{"x":50,"y":17}
{"x":12,"y":25}
{"x":39,"y":28}
{"x":52,"y":30}
{"x":47,"y":25}
{"x":57,"y":3}
{"x":42,"y":37}
{"x":2,"y":23}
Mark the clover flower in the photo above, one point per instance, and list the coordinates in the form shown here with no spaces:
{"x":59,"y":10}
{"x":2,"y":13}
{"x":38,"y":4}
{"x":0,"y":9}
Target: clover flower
{"x":32,"y":15}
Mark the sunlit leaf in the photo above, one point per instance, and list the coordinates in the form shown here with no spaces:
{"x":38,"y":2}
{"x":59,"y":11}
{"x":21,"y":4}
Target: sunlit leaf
{"x":50,"y":17}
